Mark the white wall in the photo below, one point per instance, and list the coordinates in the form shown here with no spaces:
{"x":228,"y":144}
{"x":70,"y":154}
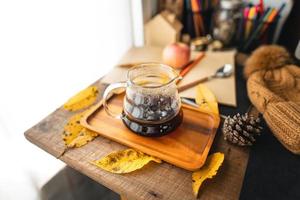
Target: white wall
{"x":49,"y":50}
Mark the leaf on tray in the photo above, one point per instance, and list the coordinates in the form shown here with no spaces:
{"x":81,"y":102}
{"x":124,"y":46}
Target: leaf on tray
{"x":75,"y":135}
{"x":82,"y":100}
{"x":206,"y":99}
{"x":124,"y":161}
{"x":210,"y":168}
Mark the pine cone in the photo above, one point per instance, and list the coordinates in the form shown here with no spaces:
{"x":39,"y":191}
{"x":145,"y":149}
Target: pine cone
{"x":241,"y":129}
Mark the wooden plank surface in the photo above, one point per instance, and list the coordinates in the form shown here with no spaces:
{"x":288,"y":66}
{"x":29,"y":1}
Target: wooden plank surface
{"x":186,"y":147}
{"x":154,"y":181}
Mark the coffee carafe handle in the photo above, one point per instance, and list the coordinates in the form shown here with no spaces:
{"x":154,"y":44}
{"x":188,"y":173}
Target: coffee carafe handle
{"x":113,"y":88}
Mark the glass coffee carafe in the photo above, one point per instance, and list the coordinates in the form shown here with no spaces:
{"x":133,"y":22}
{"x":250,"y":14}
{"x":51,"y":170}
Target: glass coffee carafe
{"x":151,"y":105}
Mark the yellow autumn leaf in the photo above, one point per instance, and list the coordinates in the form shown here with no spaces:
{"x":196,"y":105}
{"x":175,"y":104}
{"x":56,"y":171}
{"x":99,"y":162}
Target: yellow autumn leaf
{"x":75,"y":135}
{"x":206,"y":99}
{"x":124,"y":161}
{"x":82,"y":100}
{"x":210,"y":168}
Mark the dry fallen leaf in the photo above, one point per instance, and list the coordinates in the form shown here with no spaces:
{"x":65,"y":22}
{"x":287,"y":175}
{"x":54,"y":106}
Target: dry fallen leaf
{"x":75,"y":135}
{"x":124,"y":161}
{"x":206,"y":99}
{"x":210,"y":168}
{"x":82,"y":100}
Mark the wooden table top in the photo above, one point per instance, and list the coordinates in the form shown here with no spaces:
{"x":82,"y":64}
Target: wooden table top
{"x":154,"y":181}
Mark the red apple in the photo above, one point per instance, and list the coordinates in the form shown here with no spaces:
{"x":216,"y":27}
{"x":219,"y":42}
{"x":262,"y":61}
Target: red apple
{"x":176,"y":55}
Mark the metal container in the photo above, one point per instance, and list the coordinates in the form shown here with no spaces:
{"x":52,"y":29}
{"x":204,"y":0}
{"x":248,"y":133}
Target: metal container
{"x":225,"y":20}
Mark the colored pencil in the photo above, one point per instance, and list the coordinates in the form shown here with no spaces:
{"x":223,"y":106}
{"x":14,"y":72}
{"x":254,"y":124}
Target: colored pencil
{"x":246,"y":13}
{"x":249,"y":23}
{"x":195,"y":7}
{"x":201,"y":22}
{"x":198,"y":21}
{"x":261,"y":7}
{"x":260,"y":25}
{"x":271,"y":18}
{"x":240,"y":32}
{"x":185,"y":70}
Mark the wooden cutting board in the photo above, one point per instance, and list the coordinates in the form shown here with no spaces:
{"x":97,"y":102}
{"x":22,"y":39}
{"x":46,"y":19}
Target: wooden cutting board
{"x":186,"y":147}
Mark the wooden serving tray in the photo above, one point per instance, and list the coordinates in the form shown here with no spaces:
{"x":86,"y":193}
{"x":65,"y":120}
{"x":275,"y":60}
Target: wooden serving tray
{"x":186,"y":147}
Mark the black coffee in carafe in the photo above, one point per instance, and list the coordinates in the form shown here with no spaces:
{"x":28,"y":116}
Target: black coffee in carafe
{"x":152,"y":115}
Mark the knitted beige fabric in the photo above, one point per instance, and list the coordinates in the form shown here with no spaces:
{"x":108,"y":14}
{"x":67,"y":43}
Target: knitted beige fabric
{"x":275,"y":92}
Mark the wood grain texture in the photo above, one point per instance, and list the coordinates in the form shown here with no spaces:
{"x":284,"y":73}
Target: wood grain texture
{"x":154,"y":181}
{"x":186,"y":147}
